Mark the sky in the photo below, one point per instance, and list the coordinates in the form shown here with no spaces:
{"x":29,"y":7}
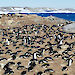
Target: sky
{"x":39,"y":3}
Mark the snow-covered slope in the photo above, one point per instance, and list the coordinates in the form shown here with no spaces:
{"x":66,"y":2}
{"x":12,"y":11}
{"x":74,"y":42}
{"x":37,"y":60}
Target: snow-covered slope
{"x":6,"y":10}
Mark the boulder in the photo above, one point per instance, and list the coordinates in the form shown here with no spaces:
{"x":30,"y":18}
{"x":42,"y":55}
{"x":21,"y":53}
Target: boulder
{"x":69,"y":28}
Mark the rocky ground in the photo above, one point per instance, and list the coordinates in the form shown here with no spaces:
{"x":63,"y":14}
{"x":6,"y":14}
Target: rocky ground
{"x":34,"y":45}
{"x":23,"y":19}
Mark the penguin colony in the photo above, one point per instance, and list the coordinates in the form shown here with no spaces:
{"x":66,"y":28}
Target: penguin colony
{"x":37,"y":50}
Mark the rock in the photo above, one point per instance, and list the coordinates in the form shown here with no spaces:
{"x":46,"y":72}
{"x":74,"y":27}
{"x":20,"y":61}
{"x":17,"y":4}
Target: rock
{"x":70,"y":28}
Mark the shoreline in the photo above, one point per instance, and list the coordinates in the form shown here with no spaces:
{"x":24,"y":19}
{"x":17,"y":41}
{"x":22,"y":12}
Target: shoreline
{"x":66,"y":16}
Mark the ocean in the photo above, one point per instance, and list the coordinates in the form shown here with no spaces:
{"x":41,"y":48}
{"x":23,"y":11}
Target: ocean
{"x":66,"y":16}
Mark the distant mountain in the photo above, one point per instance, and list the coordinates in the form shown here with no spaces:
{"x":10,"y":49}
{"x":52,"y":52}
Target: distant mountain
{"x":6,"y":10}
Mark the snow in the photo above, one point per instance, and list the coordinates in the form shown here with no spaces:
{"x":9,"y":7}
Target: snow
{"x":33,"y":10}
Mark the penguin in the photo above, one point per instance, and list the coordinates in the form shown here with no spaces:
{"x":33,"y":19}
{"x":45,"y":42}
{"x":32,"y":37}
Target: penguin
{"x":49,"y":70}
{"x":23,"y":73}
{"x":70,"y":61}
{"x":31,"y":65}
{"x":8,"y":43}
{"x":18,"y":63}
{"x":64,"y":68}
{"x":48,"y":58}
{"x":34,"y":55}
{"x":1,"y":59}
{"x":8,"y":71}
{"x":39,"y":73}
{"x":20,"y":67}
{"x":61,"y":42}
{"x":45,"y":65}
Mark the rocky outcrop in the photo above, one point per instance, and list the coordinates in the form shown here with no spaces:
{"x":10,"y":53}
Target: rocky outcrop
{"x":23,"y":19}
{"x":70,"y":28}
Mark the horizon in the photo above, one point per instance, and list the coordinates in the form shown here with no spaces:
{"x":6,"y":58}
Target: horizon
{"x":33,"y":7}
{"x":38,"y":4}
